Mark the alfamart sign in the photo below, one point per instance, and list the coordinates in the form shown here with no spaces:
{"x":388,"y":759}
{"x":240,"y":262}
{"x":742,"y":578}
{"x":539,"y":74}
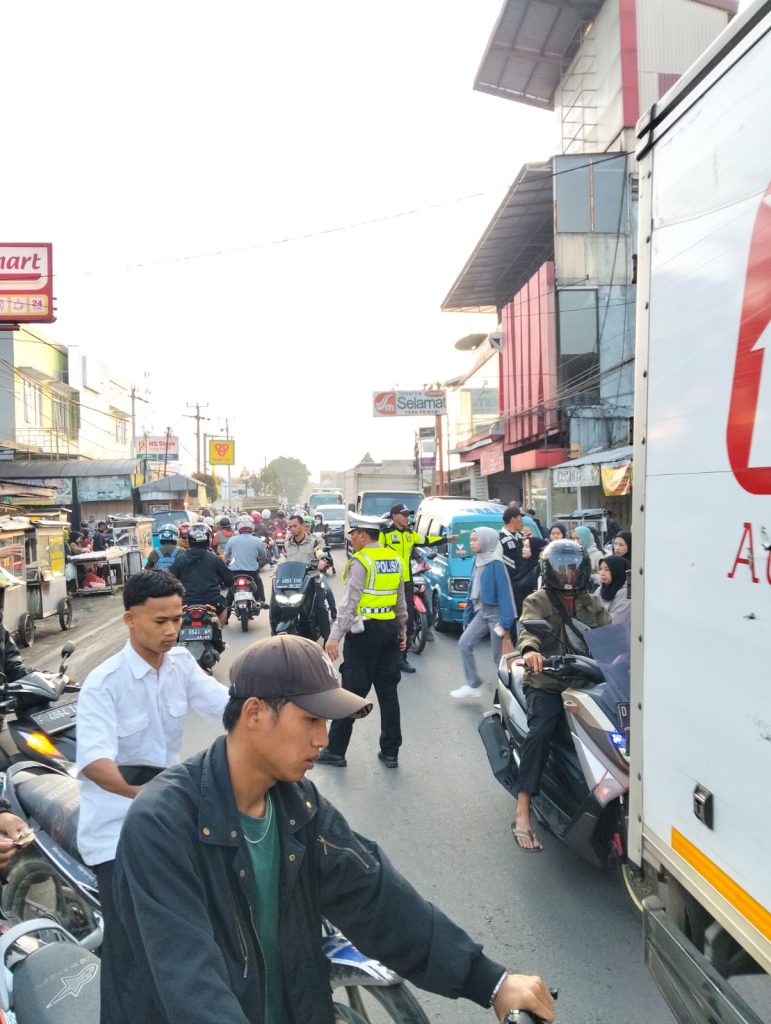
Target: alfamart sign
{"x":409,"y":403}
{"x":26,"y":283}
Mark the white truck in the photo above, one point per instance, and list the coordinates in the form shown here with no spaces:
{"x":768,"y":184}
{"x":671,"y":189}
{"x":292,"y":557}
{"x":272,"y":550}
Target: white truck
{"x":700,"y":736}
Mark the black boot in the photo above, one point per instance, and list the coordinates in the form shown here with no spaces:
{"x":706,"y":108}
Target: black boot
{"x":404,"y":665}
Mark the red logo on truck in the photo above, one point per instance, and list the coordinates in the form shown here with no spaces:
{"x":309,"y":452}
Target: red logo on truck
{"x":749,"y":418}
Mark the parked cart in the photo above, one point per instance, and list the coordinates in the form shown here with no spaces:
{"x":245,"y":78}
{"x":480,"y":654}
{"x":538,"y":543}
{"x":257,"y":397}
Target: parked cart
{"x":46,"y":581}
{"x":16,"y":616}
{"x":111,"y":566}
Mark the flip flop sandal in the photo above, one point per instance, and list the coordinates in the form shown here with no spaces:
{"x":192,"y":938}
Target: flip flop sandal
{"x":523,"y":833}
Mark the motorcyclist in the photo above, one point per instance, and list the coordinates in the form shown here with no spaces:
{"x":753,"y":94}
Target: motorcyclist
{"x":223,"y":534}
{"x":268,"y":540}
{"x":203,"y":574}
{"x":565,"y":603}
{"x":245,"y":555}
{"x":184,"y":529}
{"x":303,"y":546}
{"x":168,"y":548}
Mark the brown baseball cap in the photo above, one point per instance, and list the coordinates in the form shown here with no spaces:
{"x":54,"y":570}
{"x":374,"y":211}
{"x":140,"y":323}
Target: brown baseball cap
{"x":299,"y":670}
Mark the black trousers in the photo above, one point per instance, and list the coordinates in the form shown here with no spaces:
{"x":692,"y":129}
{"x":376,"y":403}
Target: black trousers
{"x":545,"y":718}
{"x":113,"y":928}
{"x":372,"y":659}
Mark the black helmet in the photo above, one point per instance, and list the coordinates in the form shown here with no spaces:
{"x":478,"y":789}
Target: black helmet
{"x":565,"y":566}
{"x":199,"y":535}
{"x":225,"y":522}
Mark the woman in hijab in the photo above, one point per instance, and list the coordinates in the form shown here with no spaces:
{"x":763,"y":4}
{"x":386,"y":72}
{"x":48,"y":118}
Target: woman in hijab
{"x":585,"y":538}
{"x":612,"y":590}
{"x":622,"y":544}
{"x":526,"y":579}
{"x":557,"y":531}
{"x":489,"y":610}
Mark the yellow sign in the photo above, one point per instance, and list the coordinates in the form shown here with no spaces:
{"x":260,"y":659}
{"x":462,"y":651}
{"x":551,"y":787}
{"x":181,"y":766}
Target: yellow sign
{"x":617,"y":480}
{"x":222,"y":451}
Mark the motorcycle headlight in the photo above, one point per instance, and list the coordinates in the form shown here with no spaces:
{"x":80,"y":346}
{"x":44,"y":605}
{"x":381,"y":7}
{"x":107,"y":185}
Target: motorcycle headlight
{"x":289,"y":599}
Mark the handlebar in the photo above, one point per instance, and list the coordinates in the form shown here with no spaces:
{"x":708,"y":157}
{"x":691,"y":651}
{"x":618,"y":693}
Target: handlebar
{"x":523,"y":1016}
{"x":563,"y":666}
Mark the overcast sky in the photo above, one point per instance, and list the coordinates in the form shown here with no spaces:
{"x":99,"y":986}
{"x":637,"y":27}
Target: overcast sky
{"x":191,"y":163}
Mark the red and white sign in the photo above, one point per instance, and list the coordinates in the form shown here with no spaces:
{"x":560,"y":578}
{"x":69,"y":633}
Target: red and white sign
{"x":26,"y":283}
{"x":409,"y":403}
{"x":492,"y":459}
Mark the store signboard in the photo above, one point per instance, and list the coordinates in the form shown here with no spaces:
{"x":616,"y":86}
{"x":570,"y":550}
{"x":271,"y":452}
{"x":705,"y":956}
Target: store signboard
{"x":158,"y":448}
{"x":409,"y":403}
{"x":222,"y":451}
{"x":63,"y":490}
{"x":492,"y":459}
{"x":586,"y":475}
{"x":26,"y":283}
{"x":104,"y":488}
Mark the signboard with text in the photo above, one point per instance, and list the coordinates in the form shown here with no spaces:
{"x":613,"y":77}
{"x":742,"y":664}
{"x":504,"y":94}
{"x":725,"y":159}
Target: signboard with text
{"x":26,"y":283}
{"x":222,"y":451}
{"x":158,"y":448}
{"x":409,"y":403}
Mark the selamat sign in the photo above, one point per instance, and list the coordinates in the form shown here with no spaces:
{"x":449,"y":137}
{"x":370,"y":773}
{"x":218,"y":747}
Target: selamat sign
{"x":409,"y":403}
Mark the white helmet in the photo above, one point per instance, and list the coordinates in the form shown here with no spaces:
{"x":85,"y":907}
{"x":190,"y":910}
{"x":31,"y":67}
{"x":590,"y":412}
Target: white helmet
{"x":266,"y":513}
{"x":244,"y":523}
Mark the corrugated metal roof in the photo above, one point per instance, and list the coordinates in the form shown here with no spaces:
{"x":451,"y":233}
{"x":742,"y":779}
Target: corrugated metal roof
{"x":531,"y":46}
{"x":175,"y":483}
{"x":44,"y":469}
{"x":609,"y":456}
{"x":518,"y":239}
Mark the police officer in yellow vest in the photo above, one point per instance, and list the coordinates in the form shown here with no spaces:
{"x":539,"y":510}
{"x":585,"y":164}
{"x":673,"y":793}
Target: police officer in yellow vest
{"x":401,"y":539}
{"x":372,"y":616}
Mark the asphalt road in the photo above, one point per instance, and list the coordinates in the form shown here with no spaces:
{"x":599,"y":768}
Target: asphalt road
{"x":445,"y":823}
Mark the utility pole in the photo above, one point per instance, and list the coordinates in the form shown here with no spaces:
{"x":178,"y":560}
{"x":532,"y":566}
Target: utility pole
{"x":198,"y":417}
{"x":166,"y":450}
{"x":134,"y":399}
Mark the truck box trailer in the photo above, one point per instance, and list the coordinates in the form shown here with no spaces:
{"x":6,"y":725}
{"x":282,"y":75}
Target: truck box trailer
{"x":700,"y":737}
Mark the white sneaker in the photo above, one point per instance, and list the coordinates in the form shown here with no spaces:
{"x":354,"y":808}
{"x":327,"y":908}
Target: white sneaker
{"x":466,"y":691}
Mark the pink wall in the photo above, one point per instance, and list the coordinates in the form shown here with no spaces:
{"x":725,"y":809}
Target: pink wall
{"x":529,"y":361}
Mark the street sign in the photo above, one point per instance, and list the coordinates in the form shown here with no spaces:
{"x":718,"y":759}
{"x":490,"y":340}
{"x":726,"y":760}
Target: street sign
{"x":153,"y":448}
{"x":409,"y":403}
{"x":222,"y":451}
{"x":26,"y":283}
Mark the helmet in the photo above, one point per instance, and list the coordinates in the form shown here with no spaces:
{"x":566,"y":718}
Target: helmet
{"x":199,"y":535}
{"x":281,"y":514}
{"x":208,"y":520}
{"x":168,"y":534}
{"x":256,"y":517}
{"x":308,"y":520}
{"x":184,"y":529}
{"x":245,"y":524}
{"x":224,"y":522}
{"x":266,"y":513}
{"x":565,"y":566}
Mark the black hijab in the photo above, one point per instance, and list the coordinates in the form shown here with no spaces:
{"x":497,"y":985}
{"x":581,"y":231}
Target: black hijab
{"x":560,"y":527}
{"x":626,"y":536}
{"x":618,"y":567}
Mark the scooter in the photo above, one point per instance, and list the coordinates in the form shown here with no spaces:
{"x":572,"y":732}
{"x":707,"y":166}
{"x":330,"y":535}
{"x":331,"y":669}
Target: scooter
{"x":49,"y":801}
{"x":421,"y":630}
{"x":38,"y":720}
{"x":245,"y":603}
{"x":279,"y":540}
{"x":293,"y":600}
{"x":200,"y":632}
{"x":582,"y":798}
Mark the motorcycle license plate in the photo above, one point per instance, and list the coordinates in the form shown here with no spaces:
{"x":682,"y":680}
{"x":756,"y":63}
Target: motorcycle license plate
{"x":195,"y":633}
{"x":243,"y":598}
{"x":289,"y":583}
{"x":56,"y":719}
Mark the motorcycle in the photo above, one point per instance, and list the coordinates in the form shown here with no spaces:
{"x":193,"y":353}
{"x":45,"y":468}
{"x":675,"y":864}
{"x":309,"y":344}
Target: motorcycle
{"x":38,"y":721}
{"x":583,"y":795}
{"x":293,"y":600}
{"x":49,"y":801}
{"x":200,"y":632}
{"x":245,"y":603}
{"x":421,"y":630}
{"x":279,"y":540}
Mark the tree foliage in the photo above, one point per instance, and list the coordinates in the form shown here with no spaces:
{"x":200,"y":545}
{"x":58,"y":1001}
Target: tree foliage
{"x":290,"y":476}
{"x":211,"y":483}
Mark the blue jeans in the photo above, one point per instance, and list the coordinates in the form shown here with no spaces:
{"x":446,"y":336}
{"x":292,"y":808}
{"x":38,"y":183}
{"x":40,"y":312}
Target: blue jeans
{"x":480,"y":627}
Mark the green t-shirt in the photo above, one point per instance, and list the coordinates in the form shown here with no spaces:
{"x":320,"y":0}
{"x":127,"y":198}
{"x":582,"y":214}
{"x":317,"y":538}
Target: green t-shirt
{"x":265,"y":856}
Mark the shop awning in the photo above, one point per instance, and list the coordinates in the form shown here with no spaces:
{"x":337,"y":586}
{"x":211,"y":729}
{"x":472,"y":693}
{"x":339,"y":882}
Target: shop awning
{"x":608,"y":457}
{"x":518,"y":239}
{"x":177,"y":483}
{"x":531,"y":46}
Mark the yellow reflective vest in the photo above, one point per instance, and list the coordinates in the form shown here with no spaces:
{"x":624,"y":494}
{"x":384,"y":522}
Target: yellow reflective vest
{"x":401,"y":542}
{"x":381,"y":588}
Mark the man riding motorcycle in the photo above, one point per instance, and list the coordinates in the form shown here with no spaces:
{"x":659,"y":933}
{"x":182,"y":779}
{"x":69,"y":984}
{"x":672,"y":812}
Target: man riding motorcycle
{"x":303,"y":546}
{"x":245,"y":555}
{"x":203,"y":574}
{"x":168,"y":548}
{"x":223,"y":533}
{"x":565,"y":603}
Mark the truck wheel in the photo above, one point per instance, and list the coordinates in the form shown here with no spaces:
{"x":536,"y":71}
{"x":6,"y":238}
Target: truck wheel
{"x":639,"y":883}
{"x":26,"y":633}
{"x":439,"y":624}
{"x":65,"y":613}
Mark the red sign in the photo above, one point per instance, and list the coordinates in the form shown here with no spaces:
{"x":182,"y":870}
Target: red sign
{"x":26,"y":283}
{"x":748,"y":411}
{"x":384,"y":403}
{"x":492,"y":459}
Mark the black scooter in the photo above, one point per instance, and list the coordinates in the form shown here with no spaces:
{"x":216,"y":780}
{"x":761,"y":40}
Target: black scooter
{"x":200,"y":632}
{"x":38,"y":714}
{"x":583,"y":795}
{"x":294,"y":600}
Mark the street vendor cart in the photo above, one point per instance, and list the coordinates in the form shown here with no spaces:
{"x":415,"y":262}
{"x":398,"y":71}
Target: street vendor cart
{"x":13,"y":573}
{"x":46,"y":580}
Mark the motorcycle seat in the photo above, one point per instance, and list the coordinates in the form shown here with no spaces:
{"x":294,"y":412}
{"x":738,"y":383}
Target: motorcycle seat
{"x":52,"y":800}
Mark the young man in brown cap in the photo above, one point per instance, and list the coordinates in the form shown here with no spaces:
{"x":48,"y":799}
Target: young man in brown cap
{"x":227,"y":862}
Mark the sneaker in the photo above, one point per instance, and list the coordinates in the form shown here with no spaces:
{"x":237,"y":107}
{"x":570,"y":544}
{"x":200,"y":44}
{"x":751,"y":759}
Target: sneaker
{"x":389,"y":760}
{"x":327,"y":757}
{"x":464,"y":692}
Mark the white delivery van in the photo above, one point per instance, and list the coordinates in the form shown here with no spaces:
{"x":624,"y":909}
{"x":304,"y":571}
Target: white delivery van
{"x":700,"y":737}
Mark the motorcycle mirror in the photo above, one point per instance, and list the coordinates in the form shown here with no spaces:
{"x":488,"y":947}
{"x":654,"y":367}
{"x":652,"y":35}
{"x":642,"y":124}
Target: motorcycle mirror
{"x":540,"y":627}
{"x":67,"y":650}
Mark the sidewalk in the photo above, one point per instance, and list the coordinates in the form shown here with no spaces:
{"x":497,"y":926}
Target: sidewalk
{"x":97,"y":632}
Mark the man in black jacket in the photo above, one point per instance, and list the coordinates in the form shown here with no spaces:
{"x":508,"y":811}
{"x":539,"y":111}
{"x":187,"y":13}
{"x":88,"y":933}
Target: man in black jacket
{"x":202,"y":573}
{"x":211,"y":849}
